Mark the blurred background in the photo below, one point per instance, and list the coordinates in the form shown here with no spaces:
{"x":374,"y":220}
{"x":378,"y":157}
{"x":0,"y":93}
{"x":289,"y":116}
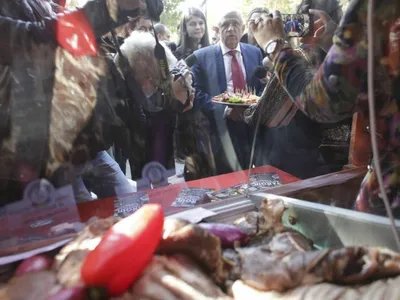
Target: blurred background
{"x":214,"y":8}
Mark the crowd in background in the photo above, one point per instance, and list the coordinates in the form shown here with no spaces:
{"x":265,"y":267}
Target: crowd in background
{"x":151,"y":109}
{"x":212,"y":139}
{"x":297,"y":145}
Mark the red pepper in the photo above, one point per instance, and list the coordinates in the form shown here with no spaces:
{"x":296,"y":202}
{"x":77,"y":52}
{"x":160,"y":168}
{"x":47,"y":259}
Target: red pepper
{"x":75,"y":34}
{"x":125,"y":250}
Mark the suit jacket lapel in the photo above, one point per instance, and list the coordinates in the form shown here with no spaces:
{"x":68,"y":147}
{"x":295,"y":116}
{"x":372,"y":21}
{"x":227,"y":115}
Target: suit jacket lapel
{"x":220,"y":69}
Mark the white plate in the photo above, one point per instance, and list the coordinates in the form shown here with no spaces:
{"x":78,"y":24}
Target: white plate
{"x":233,"y":104}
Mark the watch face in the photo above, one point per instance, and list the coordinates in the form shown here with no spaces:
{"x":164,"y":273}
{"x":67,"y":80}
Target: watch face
{"x":271,"y":47}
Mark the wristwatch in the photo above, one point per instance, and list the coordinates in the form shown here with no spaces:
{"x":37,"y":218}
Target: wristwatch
{"x":273,"y":46}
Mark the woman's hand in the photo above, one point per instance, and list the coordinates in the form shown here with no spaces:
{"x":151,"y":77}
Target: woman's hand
{"x":267,"y":29}
{"x":182,"y":89}
{"x":324,"y":28}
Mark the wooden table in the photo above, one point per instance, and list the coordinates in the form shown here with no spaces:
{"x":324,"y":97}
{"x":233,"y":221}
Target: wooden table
{"x":104,"y":208}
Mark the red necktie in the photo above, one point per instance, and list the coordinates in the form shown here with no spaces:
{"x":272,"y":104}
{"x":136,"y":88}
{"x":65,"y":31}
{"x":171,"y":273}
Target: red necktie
{"x":239,"y":83}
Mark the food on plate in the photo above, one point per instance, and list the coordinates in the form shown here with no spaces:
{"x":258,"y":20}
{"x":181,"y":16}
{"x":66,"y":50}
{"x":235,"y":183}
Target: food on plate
{"x":173,"y":259}
{"x":385,"y":289}
{"x":175,"y":277}
{"x":31,"y":286}
{"x":264,"y":223}
{"x":246,"y":263}
{"x":195,"y":242}
{"x":242,"y":97}
{"x":87,"y":240}
{"x":69,"y":271}
{"x":290,"y":242}
{"x":264,"y":269}
{"x":124,"y":251}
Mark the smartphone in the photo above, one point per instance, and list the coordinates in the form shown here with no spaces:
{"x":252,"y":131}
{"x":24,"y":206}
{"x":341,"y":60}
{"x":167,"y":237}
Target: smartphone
{"x":298,"y":25}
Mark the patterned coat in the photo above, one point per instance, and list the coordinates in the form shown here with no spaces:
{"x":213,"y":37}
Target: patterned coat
{"x":52,"y":104}
{"x":339,"y":88}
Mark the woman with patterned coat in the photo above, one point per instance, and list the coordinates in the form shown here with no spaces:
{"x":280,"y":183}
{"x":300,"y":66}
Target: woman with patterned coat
{"x":340,"y":86}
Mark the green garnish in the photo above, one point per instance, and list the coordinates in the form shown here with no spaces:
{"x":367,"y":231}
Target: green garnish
{"x":235,"y":100}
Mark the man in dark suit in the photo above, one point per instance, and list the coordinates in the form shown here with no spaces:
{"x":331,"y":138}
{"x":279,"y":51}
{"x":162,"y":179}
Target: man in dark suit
{"x":227,"y":66}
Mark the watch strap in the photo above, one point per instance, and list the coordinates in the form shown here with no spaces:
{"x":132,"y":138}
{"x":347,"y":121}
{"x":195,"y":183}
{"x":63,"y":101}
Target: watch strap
{"x":278,"y":41}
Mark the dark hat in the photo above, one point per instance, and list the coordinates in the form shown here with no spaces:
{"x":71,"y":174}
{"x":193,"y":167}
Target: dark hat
{"x":154,"y":9}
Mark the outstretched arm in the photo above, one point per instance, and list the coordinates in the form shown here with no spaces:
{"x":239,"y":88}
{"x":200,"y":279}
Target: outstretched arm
{"x":330,"y":93}
{"x":96,"y":18}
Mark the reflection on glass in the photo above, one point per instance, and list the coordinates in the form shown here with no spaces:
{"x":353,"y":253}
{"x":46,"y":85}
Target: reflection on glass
{"x":86,"y":141}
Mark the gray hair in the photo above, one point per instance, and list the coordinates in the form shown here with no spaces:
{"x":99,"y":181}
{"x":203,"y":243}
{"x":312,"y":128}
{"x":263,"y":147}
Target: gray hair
{"x":160,"y":28}
{"x":138,"y":48}
{"x":260,"y":10}
{"x":232,"y":15}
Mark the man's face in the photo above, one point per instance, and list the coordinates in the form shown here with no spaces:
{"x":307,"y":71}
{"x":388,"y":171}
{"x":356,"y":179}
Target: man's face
{"x":144,"y":25}
{"x":140,"y":24}
{"x":231,"y":29}
{"x":165,"y":36}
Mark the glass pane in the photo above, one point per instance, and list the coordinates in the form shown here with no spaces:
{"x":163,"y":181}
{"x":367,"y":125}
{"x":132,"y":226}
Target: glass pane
{"x":110,"y":105}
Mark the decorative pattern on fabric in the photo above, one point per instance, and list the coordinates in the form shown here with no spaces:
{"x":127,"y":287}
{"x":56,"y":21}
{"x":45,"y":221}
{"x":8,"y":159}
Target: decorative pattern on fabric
{"x":275,"y":107}
{"x":340,"y":86}
{"x":112,"y":6}
{"x":336,"y":137}
{"x":74,"y":100}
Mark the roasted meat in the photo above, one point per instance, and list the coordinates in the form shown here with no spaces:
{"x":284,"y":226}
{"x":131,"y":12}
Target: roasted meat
{"x":384,"y":289}
{"x":174,"y":277}
{"x":69,"y":260}
{"x":197,"y":243}
{"x":246,"y":263}
{"x":189,"y":265}
{"x":249,"y":223}
{"x":271,"y":220}
{"x":266,"y":269}
{"x":69,"y":272}
{"x":265,"y":223}
{"x":290,"y":242}
{"x":31,"y":286}
{"x":182,"y":237}
{"x":88,"y":239}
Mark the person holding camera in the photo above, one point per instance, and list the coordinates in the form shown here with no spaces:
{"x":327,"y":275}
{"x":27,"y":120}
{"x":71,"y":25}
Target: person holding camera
{"x":344,"y":83}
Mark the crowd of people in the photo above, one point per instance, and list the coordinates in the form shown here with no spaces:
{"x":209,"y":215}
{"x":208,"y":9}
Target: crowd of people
{"x":120,"y":93}
{"x":295,"y":24}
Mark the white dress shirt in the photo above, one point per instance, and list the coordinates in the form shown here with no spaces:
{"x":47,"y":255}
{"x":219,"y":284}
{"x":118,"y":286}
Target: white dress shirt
{"x":228,"y":64}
